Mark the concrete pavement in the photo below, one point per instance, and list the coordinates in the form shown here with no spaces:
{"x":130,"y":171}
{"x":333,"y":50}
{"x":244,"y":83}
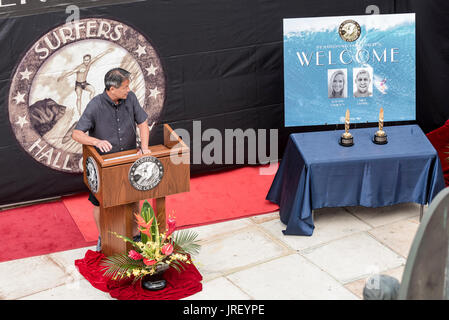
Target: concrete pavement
{"x":251,"y":259}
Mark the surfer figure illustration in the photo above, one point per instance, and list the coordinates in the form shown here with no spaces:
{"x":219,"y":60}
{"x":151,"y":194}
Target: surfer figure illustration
{"x":81,"y":72}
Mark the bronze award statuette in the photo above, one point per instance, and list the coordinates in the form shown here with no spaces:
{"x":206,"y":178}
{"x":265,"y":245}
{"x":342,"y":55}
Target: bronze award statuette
{"x":346,"y":139}
{"x":380,"y":137}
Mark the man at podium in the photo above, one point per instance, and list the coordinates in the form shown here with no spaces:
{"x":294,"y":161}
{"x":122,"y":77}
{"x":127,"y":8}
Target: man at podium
{"x":110,"y":119}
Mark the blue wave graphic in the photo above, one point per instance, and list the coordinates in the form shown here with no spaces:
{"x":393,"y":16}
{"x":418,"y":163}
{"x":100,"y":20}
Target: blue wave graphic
{"x":393,"y":81}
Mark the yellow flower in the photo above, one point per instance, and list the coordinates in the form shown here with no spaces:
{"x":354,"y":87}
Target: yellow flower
{"x":136,"y":272}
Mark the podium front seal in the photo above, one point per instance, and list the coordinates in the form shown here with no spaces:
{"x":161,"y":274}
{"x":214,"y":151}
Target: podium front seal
{"x":146,"y":173}
{"x":92,"y":175}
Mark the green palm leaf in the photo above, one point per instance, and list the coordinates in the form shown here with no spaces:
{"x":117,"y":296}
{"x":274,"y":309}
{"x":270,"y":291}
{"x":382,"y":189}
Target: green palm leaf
{"x":118,"y":266}
{"x":185,"y":242}
{"x":177,"y":265}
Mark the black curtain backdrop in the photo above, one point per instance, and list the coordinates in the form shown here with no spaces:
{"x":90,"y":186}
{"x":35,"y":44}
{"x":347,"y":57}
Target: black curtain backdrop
{"x":223,"y":65}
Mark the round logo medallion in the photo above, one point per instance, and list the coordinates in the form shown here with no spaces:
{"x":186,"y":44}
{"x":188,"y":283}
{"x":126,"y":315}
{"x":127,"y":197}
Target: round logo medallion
{"x":146,"y":173}
{"x":93,"y":178}
{"x":63,"y":70}
{"x":349,"y":30}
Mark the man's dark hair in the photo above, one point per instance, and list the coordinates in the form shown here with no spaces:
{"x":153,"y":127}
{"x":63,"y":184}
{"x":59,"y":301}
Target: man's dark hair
{"x":115,"y":77}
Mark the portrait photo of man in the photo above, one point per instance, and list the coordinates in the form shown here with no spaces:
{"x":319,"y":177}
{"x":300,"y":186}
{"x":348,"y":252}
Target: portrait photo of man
{"x":363,"y":82}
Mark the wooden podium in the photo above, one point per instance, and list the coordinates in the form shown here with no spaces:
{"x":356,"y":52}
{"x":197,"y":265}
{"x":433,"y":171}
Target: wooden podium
{"x":119,"y":198}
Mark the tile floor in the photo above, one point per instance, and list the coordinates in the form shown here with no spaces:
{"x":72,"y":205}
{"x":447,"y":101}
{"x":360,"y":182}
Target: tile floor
{"x":251,"y":259}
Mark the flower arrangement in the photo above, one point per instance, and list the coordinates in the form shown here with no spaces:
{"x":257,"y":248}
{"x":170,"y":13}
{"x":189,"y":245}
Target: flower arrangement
{"x":155,"y":251}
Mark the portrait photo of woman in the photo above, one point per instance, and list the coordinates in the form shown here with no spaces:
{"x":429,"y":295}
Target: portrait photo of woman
{"x":337,"y":80}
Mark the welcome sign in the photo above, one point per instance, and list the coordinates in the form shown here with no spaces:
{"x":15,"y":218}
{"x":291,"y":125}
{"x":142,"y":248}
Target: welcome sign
{"x":360,"y":63}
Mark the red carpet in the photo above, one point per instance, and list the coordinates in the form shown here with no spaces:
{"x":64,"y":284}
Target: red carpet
{"x":212,"y":198}
{"x":69,"y":224}
{"x":222,"y":196}
{"x":81,"y":211}
{"x":37,"y":230}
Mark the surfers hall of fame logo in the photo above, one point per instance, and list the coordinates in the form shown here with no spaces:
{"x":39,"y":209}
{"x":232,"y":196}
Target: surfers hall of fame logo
{"x":349,"y":30}
{"x":63,"y":71}
{"x":146,"y":173}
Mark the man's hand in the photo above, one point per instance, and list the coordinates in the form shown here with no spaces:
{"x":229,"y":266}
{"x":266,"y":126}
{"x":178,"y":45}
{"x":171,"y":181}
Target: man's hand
{"x":103,"y":145}
{"x":143,"y":151}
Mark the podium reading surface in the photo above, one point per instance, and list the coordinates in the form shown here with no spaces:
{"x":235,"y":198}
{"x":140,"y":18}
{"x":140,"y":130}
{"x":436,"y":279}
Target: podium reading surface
{"x":317,"y":172}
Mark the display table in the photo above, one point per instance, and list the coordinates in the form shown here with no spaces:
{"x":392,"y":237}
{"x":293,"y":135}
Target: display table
{"x":317,"y":172}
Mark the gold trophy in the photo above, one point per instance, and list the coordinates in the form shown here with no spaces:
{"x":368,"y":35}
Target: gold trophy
{"x":380,"y":137}
{"x":346,"y":139}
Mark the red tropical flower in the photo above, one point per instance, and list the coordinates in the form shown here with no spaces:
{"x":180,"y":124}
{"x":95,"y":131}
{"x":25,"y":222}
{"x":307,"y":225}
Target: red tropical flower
{"x":141,"y":221}
{"x":171,"y":224}
{"x":167,"y":249}
{"x":134,"y":255}
{"x":147,"y":232}
{"x":149,"y":262}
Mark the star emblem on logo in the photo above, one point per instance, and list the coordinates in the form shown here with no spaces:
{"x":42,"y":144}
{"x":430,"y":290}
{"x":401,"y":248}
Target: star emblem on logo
{"x":141,"y":50}
{"x":22,"y":121}
{"x":154,"y":92}
{"x":26,"y":74}
{"x":151,"y":70}
{"x":19,"y":97}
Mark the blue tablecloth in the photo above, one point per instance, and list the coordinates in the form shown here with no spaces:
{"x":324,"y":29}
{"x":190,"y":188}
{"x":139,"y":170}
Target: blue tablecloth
{"x":317,"y":172}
